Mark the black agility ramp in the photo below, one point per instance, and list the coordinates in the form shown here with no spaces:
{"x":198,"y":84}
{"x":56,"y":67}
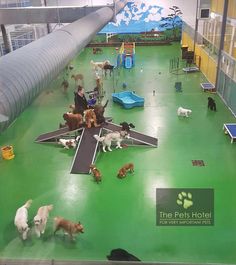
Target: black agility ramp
{"x":134,"y":135}
{"x":86,"y":151}
{"x":54,"y":134}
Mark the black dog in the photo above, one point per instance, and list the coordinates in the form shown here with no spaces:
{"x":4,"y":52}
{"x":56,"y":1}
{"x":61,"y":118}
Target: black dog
{"x":99,"y":111}
{"x":126,"y":126}
{"x":108,"y":67}
{"x":121,"y":255}
{"x":211,"y":104}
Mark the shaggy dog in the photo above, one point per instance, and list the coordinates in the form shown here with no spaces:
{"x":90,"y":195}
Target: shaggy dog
{"x":123,"y":171}
{"x":99,"y":111}
{"x":73,"y":121}
{"x":211,"y":104}
{"x":106,"y":140}
{"x":90,"y":117}
{"x":40,"y":220}
{"x":97,"y":65}
{"x":21,"y":219}
{"x":96,"y":173}
{"x":183,"y":112}
{"x":68,"y":226}
{"x":126,"y":126}
{"x":69,"y":143}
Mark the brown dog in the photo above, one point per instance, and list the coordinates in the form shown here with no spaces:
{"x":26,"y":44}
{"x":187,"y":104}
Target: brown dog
{"x":68,"y":226}
{"x":90,"y":117}
{"x":96,"y":173}
{"x":123,"y":171}
{"x":73,"y":121}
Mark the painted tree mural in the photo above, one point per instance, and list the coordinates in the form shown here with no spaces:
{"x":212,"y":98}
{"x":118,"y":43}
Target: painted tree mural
{"x":172,"y":21}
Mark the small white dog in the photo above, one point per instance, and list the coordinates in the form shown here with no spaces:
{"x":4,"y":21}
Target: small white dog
{"x":183,"y":112}
{"x":40,"y":220}
{"x":69,"y":143}
{"x":106,"y":140}
{"x":21,"y":219}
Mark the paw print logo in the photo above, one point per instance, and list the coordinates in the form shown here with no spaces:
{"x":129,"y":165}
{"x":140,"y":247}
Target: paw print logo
{"x":185,"y":199}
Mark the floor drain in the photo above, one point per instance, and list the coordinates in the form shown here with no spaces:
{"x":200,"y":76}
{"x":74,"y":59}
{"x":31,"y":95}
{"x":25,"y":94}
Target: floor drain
{"x":198,"y":163}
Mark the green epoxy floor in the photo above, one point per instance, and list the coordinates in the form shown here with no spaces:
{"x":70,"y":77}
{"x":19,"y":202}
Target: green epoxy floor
{"x":119,"y":213}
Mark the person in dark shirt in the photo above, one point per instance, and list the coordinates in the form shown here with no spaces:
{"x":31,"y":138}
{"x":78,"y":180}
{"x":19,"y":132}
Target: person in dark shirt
{"x":81,"y":103}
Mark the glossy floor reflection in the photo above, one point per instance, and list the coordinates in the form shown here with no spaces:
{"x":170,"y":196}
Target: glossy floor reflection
{"x":122,"y":213}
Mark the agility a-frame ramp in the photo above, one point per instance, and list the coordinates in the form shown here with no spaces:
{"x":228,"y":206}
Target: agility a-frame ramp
{"x":87,"y":147}
{"x":55,"y":135}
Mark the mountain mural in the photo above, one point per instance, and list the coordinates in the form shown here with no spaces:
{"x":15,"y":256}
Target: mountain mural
{"x":142,"y":17}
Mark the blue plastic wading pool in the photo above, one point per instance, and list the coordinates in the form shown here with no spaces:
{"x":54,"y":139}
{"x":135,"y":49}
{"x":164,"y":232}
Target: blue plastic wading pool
{"x":128,"y":99}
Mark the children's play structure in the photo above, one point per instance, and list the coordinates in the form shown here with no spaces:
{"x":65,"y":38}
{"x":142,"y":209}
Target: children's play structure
{"x":128,"y":99}
{"x":126,"y":56}
{"x":87,"y":147}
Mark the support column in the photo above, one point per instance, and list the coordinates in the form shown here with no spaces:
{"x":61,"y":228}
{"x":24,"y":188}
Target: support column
{"x":5,"y":38}
{"x":222,"y":37}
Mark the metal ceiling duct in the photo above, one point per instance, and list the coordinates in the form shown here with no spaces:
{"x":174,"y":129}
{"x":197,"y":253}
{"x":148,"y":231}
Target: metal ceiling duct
{"x":26,"y":71}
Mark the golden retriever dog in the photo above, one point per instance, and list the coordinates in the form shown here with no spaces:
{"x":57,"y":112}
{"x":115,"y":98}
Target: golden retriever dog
{"x":96,"y":173}
{"x":40,"y":220}
{"x":68,"y":226}
{"x":73,"y":121}
{"x":90,"y":118}
{"x":21,"y":219}
{"x":123,"y":171}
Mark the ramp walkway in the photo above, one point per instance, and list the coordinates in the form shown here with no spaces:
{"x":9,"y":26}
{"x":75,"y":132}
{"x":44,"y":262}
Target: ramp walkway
{"x":134,"y":135}
{"x":86,"y":151}
{"x":52,"y":136}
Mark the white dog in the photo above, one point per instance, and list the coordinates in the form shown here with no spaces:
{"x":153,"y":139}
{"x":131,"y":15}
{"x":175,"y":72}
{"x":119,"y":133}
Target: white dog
{"x":106,"y":140}
{"x":97,"y":65}
{"x":21,"y":219}
{"x":69,"y":143}
{"x":183,"y":112}
{"x":40,"y":220}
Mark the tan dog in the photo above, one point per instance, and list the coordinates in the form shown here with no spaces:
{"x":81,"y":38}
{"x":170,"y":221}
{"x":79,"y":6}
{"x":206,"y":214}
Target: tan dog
{"x":40,"y":220}
{"x":73,"y":121}
{"x":123,"y":171}
{"x":90,"y":117}
{"x":96,"y":173}
{"x":68,"y":226}
{"x":79,"y":79}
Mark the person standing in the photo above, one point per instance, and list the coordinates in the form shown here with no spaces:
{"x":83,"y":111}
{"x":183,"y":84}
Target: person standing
{"x":81,"y":103}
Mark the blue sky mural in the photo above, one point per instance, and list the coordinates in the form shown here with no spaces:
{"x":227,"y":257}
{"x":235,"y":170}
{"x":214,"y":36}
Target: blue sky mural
{"x":141,"y":17}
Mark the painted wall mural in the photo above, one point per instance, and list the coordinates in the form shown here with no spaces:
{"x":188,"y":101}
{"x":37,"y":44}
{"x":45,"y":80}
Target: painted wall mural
{"x":145,"y":16}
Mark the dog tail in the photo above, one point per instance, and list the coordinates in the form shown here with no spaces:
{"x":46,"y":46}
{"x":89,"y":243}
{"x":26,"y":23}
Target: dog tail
{"x":28,"y":204}
{"x":105,"y":104}
{"x":98,"y":138}
{"x":77,"y":138}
